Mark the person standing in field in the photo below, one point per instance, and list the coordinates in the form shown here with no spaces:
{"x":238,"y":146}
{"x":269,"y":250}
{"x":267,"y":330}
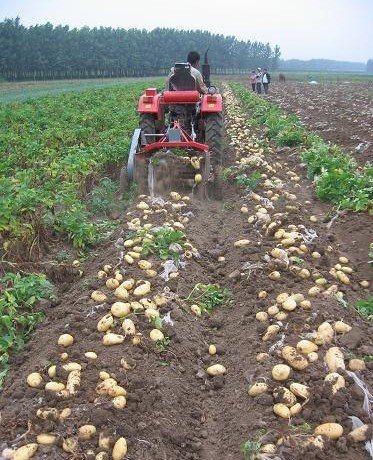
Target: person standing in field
{"x":266,"y":79}
{"x":252,"y":79}
{"x":258,"y":78}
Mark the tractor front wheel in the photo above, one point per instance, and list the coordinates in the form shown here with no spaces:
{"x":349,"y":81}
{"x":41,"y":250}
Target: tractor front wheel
{"x":147,"y":125}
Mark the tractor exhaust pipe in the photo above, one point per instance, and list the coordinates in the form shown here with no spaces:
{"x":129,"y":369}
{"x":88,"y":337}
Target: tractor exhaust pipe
{"x":206,"y":70}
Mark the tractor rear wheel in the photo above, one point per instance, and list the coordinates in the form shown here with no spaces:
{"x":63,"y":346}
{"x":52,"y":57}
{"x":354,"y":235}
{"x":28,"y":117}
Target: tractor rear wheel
{"x":214,"y":137}
{"x":147,"y":125}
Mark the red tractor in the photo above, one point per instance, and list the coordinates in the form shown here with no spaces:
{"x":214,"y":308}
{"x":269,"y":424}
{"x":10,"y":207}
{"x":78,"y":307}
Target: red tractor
{"x":177,"y":123}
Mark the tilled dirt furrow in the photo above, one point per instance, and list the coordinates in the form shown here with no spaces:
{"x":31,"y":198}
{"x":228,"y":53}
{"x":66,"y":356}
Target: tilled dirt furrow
{"x":136,"y":383}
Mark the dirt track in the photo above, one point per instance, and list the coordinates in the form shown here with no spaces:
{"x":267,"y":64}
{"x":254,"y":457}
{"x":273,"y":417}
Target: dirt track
{"x":174,"y":410}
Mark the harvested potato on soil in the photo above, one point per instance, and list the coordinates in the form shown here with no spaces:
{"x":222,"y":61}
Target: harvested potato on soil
{"x":257,"y":389}
{"x":294,"y":358}
{"x":216,"y":369}
{"x":334,"y":359}
{"x":281,"y":372}
{"x":34,"y":380}
{"x":25,"y":452}
{"x":65,"y":340}
{"x":119,"y":449}
{"x":330,"y":430}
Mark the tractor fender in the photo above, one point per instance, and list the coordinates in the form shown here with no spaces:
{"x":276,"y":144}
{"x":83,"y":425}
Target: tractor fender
{"x":149,"y":103}
{"x":211,"y":103}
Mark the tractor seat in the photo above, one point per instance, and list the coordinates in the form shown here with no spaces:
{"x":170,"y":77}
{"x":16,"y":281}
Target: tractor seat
{"x":182,"y":79}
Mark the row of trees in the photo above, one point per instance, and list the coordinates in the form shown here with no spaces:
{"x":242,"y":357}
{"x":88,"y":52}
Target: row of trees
{"x":46,"y":51}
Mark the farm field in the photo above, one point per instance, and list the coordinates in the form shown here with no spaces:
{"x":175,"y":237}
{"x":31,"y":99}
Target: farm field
{"x":269,"y":266}
{"x":338,"y":112}
{"x":20,"y":91}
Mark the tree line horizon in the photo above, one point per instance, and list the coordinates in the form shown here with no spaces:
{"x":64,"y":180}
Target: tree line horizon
{"x":48,"y":52}
{"x":44,"y":52}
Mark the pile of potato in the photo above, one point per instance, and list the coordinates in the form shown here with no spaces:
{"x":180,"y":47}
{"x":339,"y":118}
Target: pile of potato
{"x":286,"y":383}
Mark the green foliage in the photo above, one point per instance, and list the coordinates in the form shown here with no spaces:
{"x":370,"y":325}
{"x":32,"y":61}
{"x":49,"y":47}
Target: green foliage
{"x":251,"y":447}
{"x":370,"y":254}
{"x":18,"y":317}
{"x":53,"y":150}
{"x":165,"y":243}
{"x":365,"y":308}
{"x":162,"y":345}
{"x":305,"y":427}
{"x":337,"y":177}
{"x":104,"y":197}
{"x":250,"y":182}
{"x":208,"y":296}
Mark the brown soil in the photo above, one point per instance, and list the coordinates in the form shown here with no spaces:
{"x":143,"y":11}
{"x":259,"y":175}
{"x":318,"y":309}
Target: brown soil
{"x":338,"y":112}
{"x":174,"y":410}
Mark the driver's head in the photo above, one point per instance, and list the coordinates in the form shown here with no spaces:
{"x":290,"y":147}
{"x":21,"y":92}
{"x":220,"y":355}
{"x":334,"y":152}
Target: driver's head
{"x":193,"y":58}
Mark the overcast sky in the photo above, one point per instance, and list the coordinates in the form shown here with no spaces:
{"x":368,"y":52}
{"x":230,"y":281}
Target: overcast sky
{"x":304,"y":29}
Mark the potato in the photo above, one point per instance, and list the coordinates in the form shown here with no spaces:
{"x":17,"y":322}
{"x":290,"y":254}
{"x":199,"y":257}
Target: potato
{"x":116,"y":390}
{"x":281,"y":410}
{"x":112,"y":283}
{"x":274,"y":275}
{"x":156,"y":334}
{"x":72,"y":367}
{"x":336,"y":380}
{"x":302,"y":391}
{"x":261,"y":316}
{"x":52,"y":370}
{"x":289,"y":304}
{"x":34,"y":380}
{"x":104,"y":375}
{"x":341,"y":327}
{"x":90,"y":355}
{"x":281,"y":316}
{"x":54,"y":386}
{"x":281,"y":372}
{"x":262,"y":294}
{"x":312,"y":357}
{"x":128,"y":259}
{"x":306,"y":305}
{"x":260,"y":357}
{"x":142,"y":205}
{"x":273,"y":310}
{"x":119,"y":402}
{"x":65,"y":413}
{"x":196,"y":310}
{"x":112,"y":339}
{"x":119,"y":449}
{"x":278,"y":253}
{"x":102,"y":456}
{"x":268,"y":449}
{"x":64,"y":356}
{"x":330,"y":430}
{"x":343,"y":278}
{"x":128,"y":284}
{"x":306,"y":346}
{"x":216,"y":369}
{"x":65,"y":340}
{"x":46,"y":439}
{"x":284,"y":396}
{"x":343,"y":260}
{"x":73,"y":381}
{"x":105,"y":323}
{"x":160,"y":300}
{"x":356,"y":364}
{"x":86,"y":432}
{"x":144,"y":265}
{"x":257,"y":389}
{"x":294,"y":410}
{"x":212,"y":350}
{"x":334,"y":359}
{"x":143,"y":289}
{"x":129,"y":327}
{"x":104,"y":387}
{"x":360,"y":434}
{"x":104,"y":440}
{"x":314,"y":291}
{"x":25,"y":452}
{"x":121,"y":293}
{"x":118,"y":276}
{"x":271,"y":331}
{"x":241,"y":243}
{"x":120,"y":309}
{"x":48,"y":413}
{"x":107,"y":268}
{"x":70,"y":445}
{"x":326,"y":331}
{"x":293,"y":358}
{"x":151,"y":313}
{"x":98,"y":296}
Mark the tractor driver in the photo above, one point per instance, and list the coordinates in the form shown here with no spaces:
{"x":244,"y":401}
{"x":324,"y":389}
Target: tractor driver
{"x":193,"y":59}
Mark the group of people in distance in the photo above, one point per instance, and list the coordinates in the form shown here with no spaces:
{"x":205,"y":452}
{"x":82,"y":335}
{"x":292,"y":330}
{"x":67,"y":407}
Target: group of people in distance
{"x":258,"y":78}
